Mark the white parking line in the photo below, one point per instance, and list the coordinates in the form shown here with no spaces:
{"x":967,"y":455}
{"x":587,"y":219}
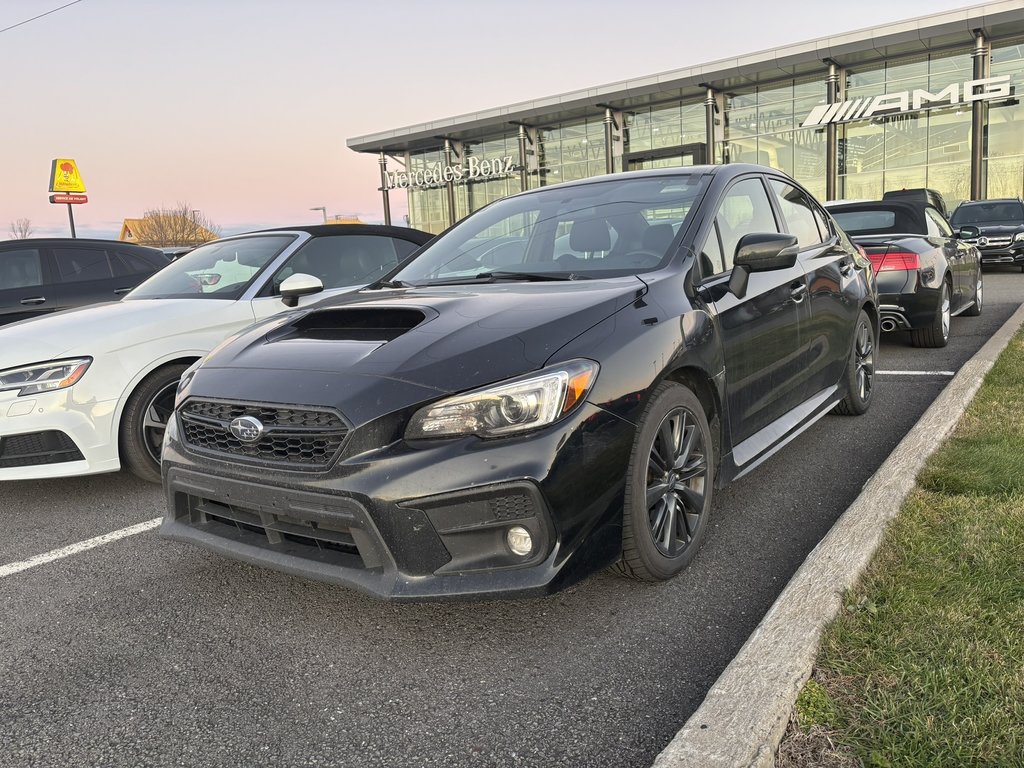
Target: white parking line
{"x":82,"y":546}
{"x":918,"y":373}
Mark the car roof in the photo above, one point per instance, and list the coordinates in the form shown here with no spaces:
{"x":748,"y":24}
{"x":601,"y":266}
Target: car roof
{"x":320,"y":230}
{"x":40,"y":242}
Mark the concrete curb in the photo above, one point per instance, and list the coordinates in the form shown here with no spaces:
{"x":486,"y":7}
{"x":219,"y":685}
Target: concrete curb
{"x":744,"y":716}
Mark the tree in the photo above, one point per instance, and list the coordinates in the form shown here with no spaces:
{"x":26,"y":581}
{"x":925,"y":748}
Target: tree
{"x":181,"y":225}
{"x":21,"y":229}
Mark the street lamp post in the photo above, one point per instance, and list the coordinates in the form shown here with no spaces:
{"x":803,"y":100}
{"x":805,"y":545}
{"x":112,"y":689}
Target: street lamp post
{"x":322,"y":209}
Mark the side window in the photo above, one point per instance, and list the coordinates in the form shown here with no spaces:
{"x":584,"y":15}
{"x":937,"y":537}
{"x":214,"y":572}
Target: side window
{"x":404,"y":248}
{"x":745,"y":209}
{"x":75,"y":265}
{"x":22,"y":268}
{"x":823,"y":226}
{"x":125,"y":264}
{"x":341,"y":260}
{"x":936,"y":224}
{"x":798,"y":211}
{"x":711,"y":254}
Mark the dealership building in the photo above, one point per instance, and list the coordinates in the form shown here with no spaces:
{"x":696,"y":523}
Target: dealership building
{"x":928,"y":102}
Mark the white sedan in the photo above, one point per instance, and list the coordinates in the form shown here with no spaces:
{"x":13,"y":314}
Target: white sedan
{"x":90,"y":390}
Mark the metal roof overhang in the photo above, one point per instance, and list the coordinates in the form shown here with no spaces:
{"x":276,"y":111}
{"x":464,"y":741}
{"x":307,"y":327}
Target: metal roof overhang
{"x":921,"y":35}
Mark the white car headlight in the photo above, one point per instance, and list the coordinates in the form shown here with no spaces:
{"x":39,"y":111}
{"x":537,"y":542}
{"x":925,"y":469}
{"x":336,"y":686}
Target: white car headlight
{"x":44,"y":377}
{"x":510,"y":407}
{"x":1018,"y":237}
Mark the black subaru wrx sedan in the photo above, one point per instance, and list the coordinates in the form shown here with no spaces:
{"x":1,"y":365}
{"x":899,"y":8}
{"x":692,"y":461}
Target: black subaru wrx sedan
{"x":554,"y":385}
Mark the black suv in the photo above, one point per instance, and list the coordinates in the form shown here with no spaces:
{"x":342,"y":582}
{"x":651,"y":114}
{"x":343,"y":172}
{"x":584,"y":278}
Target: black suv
{"x":1000,"y":225}
{"x":39,"y":276}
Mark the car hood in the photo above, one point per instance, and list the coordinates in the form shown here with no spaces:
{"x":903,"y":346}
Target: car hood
{"x":988,"y":230}
{"x":106,"y":328}
{"x":398,"y":347}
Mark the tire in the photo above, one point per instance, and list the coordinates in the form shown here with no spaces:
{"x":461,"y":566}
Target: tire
{"x":936,"y":333}
{"x":144,"y":422}
{"x":860,"y":370}
{"x":658,"y":487}
{"x":975,"y":309}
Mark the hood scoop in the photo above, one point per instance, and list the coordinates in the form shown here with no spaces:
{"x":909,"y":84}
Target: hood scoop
{"x":378,"y":324}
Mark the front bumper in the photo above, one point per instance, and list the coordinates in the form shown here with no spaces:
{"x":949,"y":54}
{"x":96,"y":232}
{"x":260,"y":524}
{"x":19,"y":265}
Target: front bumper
{"x":1011,"y":255}
{"x":412,"y":522}
{"x":53,"y":435}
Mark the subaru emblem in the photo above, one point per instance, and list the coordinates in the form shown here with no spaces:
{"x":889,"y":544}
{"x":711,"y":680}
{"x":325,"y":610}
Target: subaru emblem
{"x":247,"y":429}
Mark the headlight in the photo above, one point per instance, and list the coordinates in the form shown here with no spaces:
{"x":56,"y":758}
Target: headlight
{"x":513,"y":406}
{"x":44,"y":377}
{"x":1018,"y":237}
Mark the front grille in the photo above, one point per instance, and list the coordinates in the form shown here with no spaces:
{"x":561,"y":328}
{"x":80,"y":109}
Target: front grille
{"x":293,"y":437}
{"x":286,"y":533}
{"x":996,"y":242}
{"x":50,"y":447}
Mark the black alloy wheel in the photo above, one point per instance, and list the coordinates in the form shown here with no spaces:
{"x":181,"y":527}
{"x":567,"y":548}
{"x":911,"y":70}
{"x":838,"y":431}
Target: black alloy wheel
{"x":860,"y":370}
{"x":145,"y":419}
{"x":668,"y":486}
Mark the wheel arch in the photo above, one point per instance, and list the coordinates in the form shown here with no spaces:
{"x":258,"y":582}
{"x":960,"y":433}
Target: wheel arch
{"x":698,"y":381}
{"x":183,"y":358}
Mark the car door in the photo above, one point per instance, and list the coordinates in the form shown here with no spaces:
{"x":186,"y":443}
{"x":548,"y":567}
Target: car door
{"x":85,"y":276}
{"x":341,"y":262}
{"x":829,"y":269}
{"x":761,"y":331}
{"x":957,"y":253}
{"x":24,"y":289}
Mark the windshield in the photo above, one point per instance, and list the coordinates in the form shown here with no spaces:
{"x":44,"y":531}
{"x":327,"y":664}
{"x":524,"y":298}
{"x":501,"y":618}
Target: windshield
{"x":218,"y":270}
{"x":1009,"y":212}
{"x":603,"y":229}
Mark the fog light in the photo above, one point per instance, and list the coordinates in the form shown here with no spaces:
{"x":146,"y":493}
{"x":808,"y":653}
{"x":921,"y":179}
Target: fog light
{"x":519,"y":540}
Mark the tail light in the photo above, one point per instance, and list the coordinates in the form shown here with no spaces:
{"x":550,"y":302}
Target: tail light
{"x":897,"y":260}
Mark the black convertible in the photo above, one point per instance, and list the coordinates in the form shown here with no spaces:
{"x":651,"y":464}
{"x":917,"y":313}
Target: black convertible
{"x":555,"y":385}
{"x":926,"y":274}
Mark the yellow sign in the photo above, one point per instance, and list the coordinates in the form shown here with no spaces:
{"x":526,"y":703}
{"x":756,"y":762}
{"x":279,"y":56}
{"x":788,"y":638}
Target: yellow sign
{"x":64,"y":176}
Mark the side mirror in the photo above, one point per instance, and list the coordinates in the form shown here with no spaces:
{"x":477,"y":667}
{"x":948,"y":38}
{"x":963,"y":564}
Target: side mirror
{"x":760,"y":252}
{"x":297,"y":285}
{"x":968,"y":232}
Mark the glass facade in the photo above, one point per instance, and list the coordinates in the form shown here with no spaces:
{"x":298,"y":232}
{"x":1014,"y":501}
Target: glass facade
{"x":762,"y":124}
{"x":929,"y":148}
{"x":1004,"y":151}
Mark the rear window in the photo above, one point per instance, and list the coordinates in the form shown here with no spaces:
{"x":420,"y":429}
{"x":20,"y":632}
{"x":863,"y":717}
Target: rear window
{"x":877,"y":221}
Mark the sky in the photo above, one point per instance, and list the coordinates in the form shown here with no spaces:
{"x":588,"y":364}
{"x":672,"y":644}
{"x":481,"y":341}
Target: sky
{"x":241,"y":108}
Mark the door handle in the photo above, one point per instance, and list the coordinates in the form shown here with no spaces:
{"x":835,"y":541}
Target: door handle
{"x":798,"y":292}
{"x":33,"y":300}
{"x":119,"y":291}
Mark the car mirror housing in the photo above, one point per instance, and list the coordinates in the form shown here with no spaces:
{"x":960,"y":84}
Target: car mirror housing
{"x":760,"y":252}
{"x":968,"y":232}
{"x":299,"y":284}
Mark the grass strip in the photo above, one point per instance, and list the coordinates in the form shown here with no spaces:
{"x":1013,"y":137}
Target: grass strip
{"x":924,"y":666}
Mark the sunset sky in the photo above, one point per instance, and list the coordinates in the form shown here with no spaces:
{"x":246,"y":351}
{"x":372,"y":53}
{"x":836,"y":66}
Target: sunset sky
{"x":241,"y":108}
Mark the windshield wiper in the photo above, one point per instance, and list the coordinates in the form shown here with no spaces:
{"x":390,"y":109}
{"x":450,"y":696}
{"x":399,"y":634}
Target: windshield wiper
{"x":499,"y":275}
{"x":391,"y":284}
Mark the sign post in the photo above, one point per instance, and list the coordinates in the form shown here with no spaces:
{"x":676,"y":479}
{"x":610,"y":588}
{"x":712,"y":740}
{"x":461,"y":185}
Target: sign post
{"x":67,"y":185}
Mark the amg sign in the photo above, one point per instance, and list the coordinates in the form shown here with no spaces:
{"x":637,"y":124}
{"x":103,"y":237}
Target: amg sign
{"x":985,"y":89}
{"x":438,"y":175}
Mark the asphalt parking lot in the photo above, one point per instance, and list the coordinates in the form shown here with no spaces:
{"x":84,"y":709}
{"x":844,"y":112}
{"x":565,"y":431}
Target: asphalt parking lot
{"x":148,"y":652}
